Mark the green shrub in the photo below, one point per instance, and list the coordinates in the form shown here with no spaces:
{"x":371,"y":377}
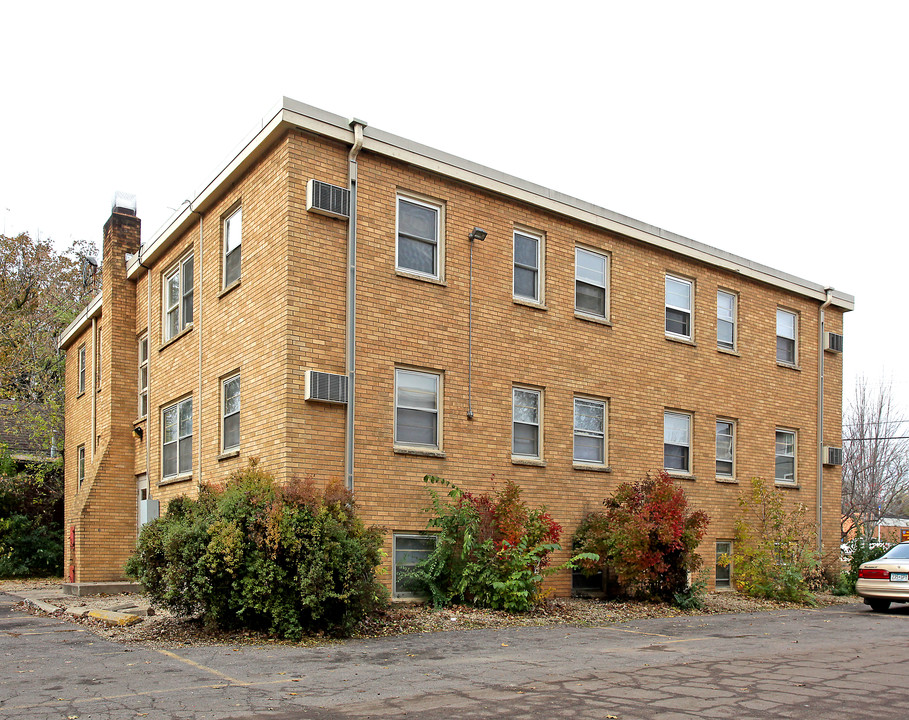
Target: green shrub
{"x":860,"y":550}
{"x":31,"y":519}
{"x":648,"y":537}
{"x":286,"y":559}
{"x":774,"y":556}
{"x":490,"y":552}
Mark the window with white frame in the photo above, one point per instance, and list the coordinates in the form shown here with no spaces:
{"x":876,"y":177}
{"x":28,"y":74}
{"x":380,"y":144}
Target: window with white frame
{"x":589,"y":431}
{"x":143,"y":377}
{"x":233,"y":241}
{"x":410,"y":551}
{"x":417,"y":408}
{"x":527,"y":253}
{"x":590,"y":278}
{"x":80,"y":465}
{"x":178,"y":298}
{"x":725,"y":448}
{"x":418,"y":247}
{"x":677,"y":442}
{"x":723,"y":564}
{"x":177,"y":439}
{"x":230,"y":408}
{"x":785,"y":456}
{"x":786,"y":326}
{"x":525,"y":415}
{"x":725,"y":320}
{"x":81,"y":368}
{"x":678,"y":307}
{"x":97,"y":363}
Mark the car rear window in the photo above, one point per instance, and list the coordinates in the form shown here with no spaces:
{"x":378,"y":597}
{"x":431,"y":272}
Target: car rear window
{"x":898,"y":552}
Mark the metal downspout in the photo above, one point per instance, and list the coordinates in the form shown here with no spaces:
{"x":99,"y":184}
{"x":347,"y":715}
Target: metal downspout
{"x":94,"y":387}
{"x":820,"y":422}
{"x":199,"y":329}
{"x":351,"y":324}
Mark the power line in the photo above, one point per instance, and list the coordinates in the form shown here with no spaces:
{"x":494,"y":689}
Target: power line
{"x":885,"y":437}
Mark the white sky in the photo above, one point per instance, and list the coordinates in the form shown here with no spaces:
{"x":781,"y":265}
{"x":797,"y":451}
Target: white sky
{"x":774,"y":130}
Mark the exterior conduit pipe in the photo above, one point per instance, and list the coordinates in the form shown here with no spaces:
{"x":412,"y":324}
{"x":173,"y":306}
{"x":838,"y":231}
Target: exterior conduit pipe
{"x":199,"y":329}
{"x":350,"y":364}
{"x":820,"y":421}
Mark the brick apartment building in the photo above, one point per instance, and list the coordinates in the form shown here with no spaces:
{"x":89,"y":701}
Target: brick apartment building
{"x":465,"y":323}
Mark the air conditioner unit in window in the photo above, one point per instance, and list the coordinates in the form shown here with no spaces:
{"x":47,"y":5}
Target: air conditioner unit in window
{"x":326,"y":387}
{"x":833,"y":342}
{"x":327,"y":199}
{"x":833,"y":455}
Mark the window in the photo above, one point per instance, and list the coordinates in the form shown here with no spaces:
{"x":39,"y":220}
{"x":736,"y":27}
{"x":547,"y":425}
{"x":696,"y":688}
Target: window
{"x":417,"y":408}
{"x":724,"y":572}
{"x":678,"y":307}
{"x":785,"y":456}
{"x":178,"y":298}
{"x":590,"y":431}
{"x":177,"y":451}
{"x":81,"y":369}
{"x":677,"y":441}
{"x":418,"y":237}
{"x":410,"y":551}
{"x":230,"y":408}
{"x":725,"y":320}
{"x":525,"y":414}
{"x":785,"y":337}
{"x":80,"y":465}
{"x":233,"y":239}
{"x":590,"y":273}
{"x":527,"y":266}
{"x":725,"y":448}
{"x":143,"y":377}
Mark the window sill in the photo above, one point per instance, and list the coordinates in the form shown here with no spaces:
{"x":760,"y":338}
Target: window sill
{"x":593,"y":318}
{"x":533,"y":462}
{"x":681,"y":340}
{"x":140,"y":420}
{"x":527,"y":302}
{"x":422,"y":452}
{"x":175,"y":479}
{"x":787,"y":484}
{"x":228,"y":455}
{"x":184,"y":331}
{"x":789,"y":366}
{"x":423,"y":278}
{"x":591,"y":468}
{"x":727,"y":480}
{"x":233,"y":286}
{"x":727,"y":351}
{"x":676,"y":475}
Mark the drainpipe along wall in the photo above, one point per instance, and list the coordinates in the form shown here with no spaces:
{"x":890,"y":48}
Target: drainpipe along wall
{"x":820,"y":422}
{"x":351,"y":338}
{"x":200,"y":294}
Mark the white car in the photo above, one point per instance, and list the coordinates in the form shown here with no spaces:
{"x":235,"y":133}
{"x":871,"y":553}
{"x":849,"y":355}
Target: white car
{"x":885,"y":580}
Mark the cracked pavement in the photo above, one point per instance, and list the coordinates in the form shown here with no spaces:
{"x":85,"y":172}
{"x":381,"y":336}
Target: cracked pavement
{"x":780,"y":664}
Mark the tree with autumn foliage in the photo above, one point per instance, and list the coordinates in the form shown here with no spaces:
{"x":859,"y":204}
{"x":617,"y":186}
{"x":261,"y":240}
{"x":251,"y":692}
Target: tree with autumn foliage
{"x":41,"y":291}
{"x":647,"y":536}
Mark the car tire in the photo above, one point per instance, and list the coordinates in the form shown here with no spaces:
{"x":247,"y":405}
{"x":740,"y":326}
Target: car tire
{"x":878,"y":605}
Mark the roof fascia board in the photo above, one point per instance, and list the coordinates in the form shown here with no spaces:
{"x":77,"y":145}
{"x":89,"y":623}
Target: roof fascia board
{"x":293,"y":113}
{"x":81,"y":322}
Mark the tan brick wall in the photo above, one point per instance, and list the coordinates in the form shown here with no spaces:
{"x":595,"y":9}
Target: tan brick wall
{"x":287,"y":315}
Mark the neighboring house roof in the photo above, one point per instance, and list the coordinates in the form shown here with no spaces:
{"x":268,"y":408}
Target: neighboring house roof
{"x":293,"y":114}
{"x":16,"y":433}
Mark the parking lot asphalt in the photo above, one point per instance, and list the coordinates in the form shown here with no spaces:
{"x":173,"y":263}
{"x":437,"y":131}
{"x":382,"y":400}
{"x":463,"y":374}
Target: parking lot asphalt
{"x":841,"y":661}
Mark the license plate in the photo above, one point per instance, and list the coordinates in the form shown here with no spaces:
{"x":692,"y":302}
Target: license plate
{"x":899,"y":577}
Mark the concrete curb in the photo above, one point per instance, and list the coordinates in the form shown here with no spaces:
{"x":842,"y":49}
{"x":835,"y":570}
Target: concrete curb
{"x":113,"y":618}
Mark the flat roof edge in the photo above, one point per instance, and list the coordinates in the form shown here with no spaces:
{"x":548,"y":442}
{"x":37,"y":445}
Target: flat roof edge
{"x":293,"y":113}
{"x":80,"y":322}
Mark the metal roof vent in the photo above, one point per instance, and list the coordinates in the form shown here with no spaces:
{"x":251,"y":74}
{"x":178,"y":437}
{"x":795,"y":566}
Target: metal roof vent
{"x":123,"y":203}
{"x":327,"y":199}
